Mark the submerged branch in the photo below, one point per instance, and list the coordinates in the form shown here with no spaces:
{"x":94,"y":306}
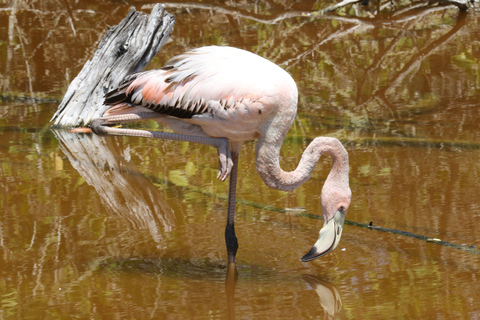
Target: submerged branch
{"x":419,"y":142}
{"x":470,"y":249}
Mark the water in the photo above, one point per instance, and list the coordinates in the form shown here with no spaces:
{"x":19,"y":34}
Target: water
{"x":123,"y":227}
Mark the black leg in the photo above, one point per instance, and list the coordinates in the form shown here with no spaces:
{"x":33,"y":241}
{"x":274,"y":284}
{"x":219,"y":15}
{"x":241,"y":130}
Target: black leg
{"x":230,"y":238}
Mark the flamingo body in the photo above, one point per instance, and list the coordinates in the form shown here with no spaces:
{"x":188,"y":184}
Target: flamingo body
{"x":211,"y":87}
{"x":223,"y":96}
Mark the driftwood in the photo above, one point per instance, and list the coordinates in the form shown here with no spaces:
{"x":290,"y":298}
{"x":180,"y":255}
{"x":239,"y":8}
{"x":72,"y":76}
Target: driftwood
{"x":125,"y":48}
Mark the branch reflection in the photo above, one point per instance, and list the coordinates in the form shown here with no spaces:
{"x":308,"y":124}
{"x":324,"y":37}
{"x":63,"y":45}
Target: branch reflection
{"x":124,"y":191}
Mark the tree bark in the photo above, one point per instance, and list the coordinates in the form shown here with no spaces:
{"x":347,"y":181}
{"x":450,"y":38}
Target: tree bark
{"x":125,"y":48}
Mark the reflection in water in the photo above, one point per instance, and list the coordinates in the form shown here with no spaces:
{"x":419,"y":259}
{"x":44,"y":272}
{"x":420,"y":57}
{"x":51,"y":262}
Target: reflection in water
{"x":329,"y":296}
{"x":394,"y":86}
{"x":413,"y":65}
{"x":123,"y":189}
{"x":128,"y":194}
{"x":230,"y":284}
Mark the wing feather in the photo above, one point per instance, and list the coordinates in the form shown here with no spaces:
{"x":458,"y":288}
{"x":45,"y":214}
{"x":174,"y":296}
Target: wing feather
{"x":205,"y":81}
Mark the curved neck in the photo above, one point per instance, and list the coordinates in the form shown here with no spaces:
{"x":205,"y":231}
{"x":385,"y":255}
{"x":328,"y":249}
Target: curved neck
{"x":268,"y":165}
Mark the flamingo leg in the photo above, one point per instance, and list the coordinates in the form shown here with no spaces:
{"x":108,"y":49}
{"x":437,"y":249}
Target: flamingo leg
{"x":230,"y":237}
{"x":101,"y":126}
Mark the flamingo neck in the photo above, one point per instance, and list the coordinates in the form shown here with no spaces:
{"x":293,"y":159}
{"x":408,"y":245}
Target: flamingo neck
{"x":268,"y":165}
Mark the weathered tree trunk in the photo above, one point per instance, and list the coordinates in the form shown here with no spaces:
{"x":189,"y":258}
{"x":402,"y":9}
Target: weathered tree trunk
{"x":125,"y":48}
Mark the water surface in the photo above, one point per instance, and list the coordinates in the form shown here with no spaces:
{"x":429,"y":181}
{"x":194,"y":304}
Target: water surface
{"x":123,"y":227}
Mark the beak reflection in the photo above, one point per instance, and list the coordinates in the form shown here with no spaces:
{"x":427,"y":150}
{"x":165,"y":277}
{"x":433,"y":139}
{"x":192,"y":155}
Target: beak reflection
{"x":329,"y":296}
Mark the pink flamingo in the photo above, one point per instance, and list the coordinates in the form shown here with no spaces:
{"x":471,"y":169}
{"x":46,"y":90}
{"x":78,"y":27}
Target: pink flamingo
{"x":223,"y":96}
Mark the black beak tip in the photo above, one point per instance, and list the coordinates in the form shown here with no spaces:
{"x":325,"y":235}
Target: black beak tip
{"x":311,"y":255}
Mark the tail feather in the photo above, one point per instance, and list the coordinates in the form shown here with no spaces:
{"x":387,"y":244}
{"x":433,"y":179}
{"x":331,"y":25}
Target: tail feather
{"x":125,"y":108}
{"x":119,"y":94}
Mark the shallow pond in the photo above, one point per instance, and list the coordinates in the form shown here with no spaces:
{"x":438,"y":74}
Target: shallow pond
{"x":125,"y":227}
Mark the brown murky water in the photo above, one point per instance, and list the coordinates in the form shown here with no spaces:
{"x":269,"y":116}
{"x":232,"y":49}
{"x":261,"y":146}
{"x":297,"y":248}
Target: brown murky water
{"x":125,"y":228}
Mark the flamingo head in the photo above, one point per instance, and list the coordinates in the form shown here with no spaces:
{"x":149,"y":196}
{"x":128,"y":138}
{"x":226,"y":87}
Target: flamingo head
{"x":335,"y":203}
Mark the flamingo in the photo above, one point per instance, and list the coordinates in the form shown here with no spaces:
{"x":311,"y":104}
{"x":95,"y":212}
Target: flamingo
{"x":222,"y":97}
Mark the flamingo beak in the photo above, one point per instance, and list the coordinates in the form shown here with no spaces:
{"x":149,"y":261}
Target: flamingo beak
{"x":329,"y":238}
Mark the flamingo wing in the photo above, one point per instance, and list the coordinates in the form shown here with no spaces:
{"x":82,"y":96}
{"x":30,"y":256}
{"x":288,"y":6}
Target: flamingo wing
{"x":205,"y":81}
{"x":154,"y":91}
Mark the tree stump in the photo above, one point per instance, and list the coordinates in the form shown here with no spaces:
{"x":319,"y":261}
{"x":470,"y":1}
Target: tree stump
{"x":125,"y":49}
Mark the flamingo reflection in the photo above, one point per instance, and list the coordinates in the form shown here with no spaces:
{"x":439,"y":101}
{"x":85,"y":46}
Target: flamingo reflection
{"x":329,"y":297}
